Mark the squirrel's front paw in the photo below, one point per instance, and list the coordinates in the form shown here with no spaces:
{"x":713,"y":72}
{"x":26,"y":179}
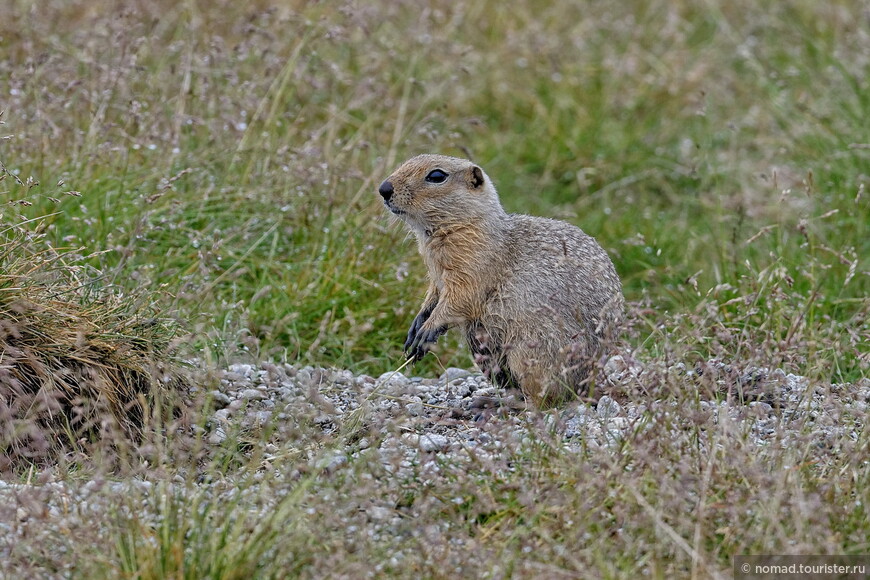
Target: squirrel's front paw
{"x":418,"y":322}
{"x":419,"y":344}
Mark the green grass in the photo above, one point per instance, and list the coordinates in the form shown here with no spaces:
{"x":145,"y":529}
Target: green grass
{"x":223,"y":158}
{"x":234,"y":165}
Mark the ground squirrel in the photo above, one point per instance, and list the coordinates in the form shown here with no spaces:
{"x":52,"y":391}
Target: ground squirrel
{"x":536,"y":298}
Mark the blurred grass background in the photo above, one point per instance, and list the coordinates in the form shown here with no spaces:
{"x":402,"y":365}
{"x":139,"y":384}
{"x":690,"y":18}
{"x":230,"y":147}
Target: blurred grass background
{"x":225,"y":156}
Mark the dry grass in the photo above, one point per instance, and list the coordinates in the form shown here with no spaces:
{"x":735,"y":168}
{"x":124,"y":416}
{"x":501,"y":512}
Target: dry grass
{"x":80,"y":362}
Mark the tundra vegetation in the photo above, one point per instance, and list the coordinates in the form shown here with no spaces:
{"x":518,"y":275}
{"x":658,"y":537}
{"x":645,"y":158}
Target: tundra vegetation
{"x":190,"y":185}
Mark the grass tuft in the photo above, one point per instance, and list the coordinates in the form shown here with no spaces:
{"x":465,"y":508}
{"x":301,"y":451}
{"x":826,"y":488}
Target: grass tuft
{"x":79,"y":361}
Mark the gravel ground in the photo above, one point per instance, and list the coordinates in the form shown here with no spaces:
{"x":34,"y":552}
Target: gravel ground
{"x":445,"y":417}
{"x":449,"y":413}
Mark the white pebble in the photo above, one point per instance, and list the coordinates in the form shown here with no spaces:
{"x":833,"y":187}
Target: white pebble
{"x":608,"y":408}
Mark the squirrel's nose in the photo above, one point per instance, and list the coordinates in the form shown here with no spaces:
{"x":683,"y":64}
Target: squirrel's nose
{"x":386,"y":190}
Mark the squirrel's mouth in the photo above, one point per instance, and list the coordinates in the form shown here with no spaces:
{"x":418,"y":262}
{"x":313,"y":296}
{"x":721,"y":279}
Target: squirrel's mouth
{"x":395,"y":210}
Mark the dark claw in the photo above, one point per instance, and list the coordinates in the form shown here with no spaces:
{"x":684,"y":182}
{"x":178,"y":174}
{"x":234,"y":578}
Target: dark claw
{"x":415,"y":327}
{"x":423,"y":340}
{"x":418,"y":322}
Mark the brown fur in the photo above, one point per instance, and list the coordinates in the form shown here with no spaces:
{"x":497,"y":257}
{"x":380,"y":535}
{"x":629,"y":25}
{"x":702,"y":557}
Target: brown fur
{"x":536,"y":298}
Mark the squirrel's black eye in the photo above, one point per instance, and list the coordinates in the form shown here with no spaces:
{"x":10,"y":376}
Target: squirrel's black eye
{"x":436,"y":176}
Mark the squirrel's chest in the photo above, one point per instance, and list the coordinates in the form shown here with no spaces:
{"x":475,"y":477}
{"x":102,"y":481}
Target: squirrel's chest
{"x":440,"y":273}
{"x":443,"y":260}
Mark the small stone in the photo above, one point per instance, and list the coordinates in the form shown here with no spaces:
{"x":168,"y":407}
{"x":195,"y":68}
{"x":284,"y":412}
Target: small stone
{"x":574,"y":410}
{"x":414,"y":406}
{"x":262,"y":417}
{"x":242,"y":369}
{"x":461,"y":387}
{"x":379,"y":513}
{"x":222,"y":415}
{"x":488,"y":391}
{"x":364,"y":380}
{"x":385,"y":405}
{"x":394,"y":384}
{"x":761,"y":407}
{"x":324,"y":419}
{"x":608,"y":408}
{"x":343,"y":378}
{"x":330,"y":462}
{"x":217,"y":436}
{"x":253,"y":394}
{"x":391,"y":377}
{"x":453,"y":373}
{"x":285,"y":393}
{"x":574,"y":427}
{"x":220,"y":399}
{"x":753,"y":376}
{"x":432,"y":442}
{"x":422,"y":389}
{"x":615,"y":365}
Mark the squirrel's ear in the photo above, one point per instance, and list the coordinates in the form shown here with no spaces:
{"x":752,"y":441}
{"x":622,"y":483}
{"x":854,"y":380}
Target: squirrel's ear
{"x":475,"y":177}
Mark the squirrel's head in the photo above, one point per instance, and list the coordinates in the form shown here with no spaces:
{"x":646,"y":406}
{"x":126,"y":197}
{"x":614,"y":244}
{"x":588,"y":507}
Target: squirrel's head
{"x":430,"y":192}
